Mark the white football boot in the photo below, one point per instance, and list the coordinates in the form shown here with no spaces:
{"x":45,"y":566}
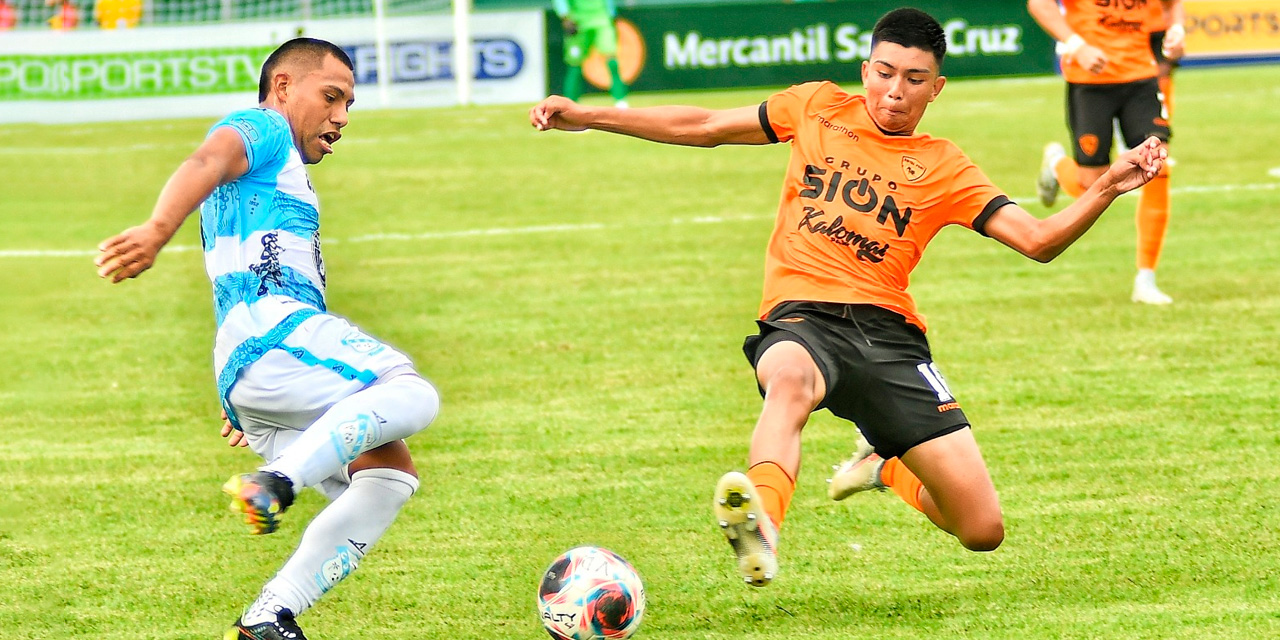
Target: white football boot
{"x":861,"y":472}
{"x":1047,"y":182}
{"x":748,"y":528}
{"x":1146,"y":291}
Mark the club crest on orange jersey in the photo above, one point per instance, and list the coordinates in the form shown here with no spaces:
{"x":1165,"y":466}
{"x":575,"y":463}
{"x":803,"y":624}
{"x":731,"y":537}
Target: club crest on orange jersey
{"x":1089,"y":144}
{"x":913,"y":169}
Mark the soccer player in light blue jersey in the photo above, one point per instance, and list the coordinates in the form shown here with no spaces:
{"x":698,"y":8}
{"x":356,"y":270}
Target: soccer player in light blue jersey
{"x":326,"y":405}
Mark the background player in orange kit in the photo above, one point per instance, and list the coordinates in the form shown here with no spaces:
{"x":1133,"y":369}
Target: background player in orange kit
{"x":1165,"y":20}
{"x":1111,"y":77}
{"x":863,"y":195}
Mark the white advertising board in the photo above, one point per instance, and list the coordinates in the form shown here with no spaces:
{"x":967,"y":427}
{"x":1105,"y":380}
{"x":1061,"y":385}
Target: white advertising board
{"x":208,"y":70}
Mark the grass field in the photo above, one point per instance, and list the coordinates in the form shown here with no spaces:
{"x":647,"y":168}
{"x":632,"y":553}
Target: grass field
{"x":580,"y":300}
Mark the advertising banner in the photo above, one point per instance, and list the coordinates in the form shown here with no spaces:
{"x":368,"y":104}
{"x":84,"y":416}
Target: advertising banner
{"x":130,"y":74}
{"x":1221,"y":31}
{"x":699,"y":47}
{"x":211,"y":69}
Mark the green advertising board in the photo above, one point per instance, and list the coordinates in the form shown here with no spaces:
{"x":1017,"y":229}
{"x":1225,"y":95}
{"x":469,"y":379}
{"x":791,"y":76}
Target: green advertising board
{"x":131,"y":74}
{"x":750,"y":45}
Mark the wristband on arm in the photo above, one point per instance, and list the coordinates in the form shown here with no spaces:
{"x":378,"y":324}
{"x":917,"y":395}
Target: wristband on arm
{"x":1070,"y":47}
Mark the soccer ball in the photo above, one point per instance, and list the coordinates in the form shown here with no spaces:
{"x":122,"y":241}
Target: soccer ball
{"x":590,"y":593}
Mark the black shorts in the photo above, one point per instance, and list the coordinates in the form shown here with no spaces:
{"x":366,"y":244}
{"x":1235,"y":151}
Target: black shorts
{"x":1091,"y":109}
{"x":878,"y":369}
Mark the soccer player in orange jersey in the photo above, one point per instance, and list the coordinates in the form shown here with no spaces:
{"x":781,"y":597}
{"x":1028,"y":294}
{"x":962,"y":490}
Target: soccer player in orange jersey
{"x":863,"y":195}
{"x":1111,"y":76}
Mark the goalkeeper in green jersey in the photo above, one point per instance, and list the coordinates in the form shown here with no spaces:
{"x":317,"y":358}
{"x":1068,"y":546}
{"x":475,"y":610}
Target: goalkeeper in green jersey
{"x":589,"y":23}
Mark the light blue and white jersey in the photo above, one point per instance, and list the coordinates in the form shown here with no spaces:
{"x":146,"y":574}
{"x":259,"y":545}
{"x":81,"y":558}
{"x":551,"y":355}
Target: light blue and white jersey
{"x":261,"y":239}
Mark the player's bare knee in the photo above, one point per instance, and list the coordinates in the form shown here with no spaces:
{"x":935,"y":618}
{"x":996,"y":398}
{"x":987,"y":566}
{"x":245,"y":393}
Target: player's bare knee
{"x":392,"y":455}
{"x":982,"y":536}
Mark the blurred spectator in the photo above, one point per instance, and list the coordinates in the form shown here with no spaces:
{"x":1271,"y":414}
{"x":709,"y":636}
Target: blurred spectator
{"x":118,"y":14}
{"x":67,"y":16}
{"x":8,"y":16}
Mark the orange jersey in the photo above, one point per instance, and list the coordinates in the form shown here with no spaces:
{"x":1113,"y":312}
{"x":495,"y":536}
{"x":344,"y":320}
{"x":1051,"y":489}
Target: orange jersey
{"x":1155,"y":18}
{"x":1121,"y":28}
{"x":859,"y":205}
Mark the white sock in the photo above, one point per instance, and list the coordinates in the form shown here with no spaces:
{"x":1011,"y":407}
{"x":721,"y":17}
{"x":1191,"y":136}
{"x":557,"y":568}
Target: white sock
{"x":1145,"y":278}
{"x":386,"y":412}
{"x":265,"y":609}
{"x":334,"y":542}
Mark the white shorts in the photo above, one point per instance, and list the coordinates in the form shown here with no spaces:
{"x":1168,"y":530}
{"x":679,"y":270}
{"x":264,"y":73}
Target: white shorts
{"x":324,"y":360}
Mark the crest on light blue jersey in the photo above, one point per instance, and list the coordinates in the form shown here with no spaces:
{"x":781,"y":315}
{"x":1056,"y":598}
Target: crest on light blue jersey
{"x":362,"y":343}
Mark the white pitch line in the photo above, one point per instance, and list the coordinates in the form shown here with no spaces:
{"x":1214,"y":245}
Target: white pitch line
{"x":556,"y":228}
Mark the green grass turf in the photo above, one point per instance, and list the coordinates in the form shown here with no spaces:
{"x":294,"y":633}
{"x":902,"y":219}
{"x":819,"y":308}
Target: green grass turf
{"x":594,"y":389}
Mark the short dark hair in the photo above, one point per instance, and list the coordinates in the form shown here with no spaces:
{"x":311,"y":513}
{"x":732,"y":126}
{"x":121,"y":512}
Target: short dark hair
{"x":911,"y":28}
{"x":310,"y":51}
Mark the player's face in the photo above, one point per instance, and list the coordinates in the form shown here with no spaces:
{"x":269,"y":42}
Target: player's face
{"x":900,"y":82}
{"x":317,"y":108}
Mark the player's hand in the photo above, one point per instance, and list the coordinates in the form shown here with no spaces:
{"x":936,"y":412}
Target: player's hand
{"x":1091,"y":58}
{"x":1139,"y":165}
{"x":1175,"y":42}
{"x":130,"y":253}
{"x":557,"y":112}
{"x":234,"y":436}
{"x":570,"y":27}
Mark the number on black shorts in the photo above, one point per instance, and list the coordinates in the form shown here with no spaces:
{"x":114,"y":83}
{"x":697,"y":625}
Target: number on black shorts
{"x":934,"y":377}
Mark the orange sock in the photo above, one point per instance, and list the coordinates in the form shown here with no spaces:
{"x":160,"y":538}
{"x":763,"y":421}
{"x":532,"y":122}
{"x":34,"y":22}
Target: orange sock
{"x":775,"y":488}
{"x":1166,"y":89}
{"x":1068,"y":173}
{"x":898,"y":477}
{"x":1153,"y":218}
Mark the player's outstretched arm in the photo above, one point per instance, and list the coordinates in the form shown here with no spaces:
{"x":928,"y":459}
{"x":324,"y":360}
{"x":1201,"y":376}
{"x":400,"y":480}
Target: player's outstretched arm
{"x":219,"y":160}
{"x":1044,"y":240}
{"x":687,"y":126}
